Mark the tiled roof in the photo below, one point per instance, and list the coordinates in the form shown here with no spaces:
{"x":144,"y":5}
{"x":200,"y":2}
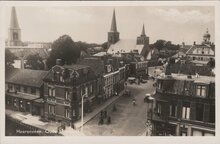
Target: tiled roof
{"x":188,"y":69}
{"x":190,"y":51}
{"x":85,"y":73}
{"x":26,"y":77}
{"x":96,"y":64}
{"x":185,"y":48}
{"x":25,"y":52}
{"x":125,"y":46}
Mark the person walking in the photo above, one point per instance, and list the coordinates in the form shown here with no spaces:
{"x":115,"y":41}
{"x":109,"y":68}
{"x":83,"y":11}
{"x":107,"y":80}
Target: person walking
{"x":134,"y":102}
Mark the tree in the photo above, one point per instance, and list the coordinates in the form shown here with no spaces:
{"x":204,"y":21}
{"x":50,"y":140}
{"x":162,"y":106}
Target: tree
{"x":9,"y":59}
{"x":105,"y":45}
{"x":35,"y":62}
{"x":159,"y":44}
{"x":65,"y":49}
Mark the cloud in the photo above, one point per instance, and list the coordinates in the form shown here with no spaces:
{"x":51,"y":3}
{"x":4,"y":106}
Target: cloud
{"x":175,"y":15}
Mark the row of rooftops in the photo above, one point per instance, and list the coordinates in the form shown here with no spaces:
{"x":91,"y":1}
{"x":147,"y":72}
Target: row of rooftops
{"x":195,"y":78}
{"x":35,"y":78}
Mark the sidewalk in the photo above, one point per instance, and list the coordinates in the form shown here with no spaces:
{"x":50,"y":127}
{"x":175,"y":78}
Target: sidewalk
{"x":96,"y":111}
{"x":27,"y":118}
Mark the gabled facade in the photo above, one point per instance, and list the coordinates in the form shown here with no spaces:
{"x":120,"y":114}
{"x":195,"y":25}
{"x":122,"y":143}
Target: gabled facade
{"x":203,"y":52}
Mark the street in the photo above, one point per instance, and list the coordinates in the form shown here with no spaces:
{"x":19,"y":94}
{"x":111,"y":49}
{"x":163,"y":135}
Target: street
{"x":128,"y":120}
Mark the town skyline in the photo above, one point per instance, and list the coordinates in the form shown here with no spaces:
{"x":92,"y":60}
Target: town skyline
{"x":81,"y":22}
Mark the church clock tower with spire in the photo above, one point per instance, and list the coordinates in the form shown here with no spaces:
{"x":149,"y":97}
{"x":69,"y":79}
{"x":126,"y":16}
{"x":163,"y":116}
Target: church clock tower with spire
{"x":14,"y":31}
{"x":143,"y":39}
{"x":113,"y":35}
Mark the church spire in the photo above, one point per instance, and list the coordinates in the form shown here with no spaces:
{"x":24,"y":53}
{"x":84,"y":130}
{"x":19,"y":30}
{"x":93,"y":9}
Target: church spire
{"x":143,"y":31}
{"x":14,"y":21}
{"x":113,"y":26}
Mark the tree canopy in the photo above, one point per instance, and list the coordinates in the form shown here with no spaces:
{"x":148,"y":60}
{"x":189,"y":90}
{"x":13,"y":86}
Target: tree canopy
{"x":9,"y":59}
{"x":35,"y":62}
{"x":63,"y":48}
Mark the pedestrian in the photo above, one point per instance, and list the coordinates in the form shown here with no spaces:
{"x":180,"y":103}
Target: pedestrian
{"x":134,"y":102}
{"x":101,"y":121}
{"x":109,"y":120}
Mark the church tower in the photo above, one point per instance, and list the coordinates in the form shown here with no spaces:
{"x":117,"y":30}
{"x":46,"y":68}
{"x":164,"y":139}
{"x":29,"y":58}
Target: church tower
{"x":113,"y":35}
{"x":14,"y":31}
{"x":143,"y":39}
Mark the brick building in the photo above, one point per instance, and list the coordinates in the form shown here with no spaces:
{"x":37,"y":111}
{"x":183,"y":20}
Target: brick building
{"x":184,"y":106}
{"x":64,"y":87}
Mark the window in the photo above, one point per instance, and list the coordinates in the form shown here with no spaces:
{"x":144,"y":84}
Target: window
{"x":159,"y":84}
{"x":21,"y":104}
{"x":201,"y":90}
{"x":15,"y":103}
{"x":173,"y":110}
{"x":18,"y":88}
{"x":10,"y":87}
{"x":67,"y":114}
{"x":199,"y":111}
{"x":51,"y":91}
{"x":186,"y":110}
{"x":159,"y":109}
{"x":61,"y":78}
{"x":51,"y":109}
{"x":212,"y":114}
{"x":25,"y":89}
{"x":90,"y":89}
{"x":66,"y":94}
{"x":33,"y":90}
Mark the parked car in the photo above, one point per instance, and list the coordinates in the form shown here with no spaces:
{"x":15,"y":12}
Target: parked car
{"x":131,"y":80}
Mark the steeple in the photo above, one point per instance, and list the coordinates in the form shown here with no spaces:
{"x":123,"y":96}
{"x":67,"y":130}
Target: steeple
{"x":113,"y":26}
{"x":14,"y":20}
{"x":142,"y":39}
{"x":14,"y":31}
{"x":113,"y":35}
{"x":143,"y":31}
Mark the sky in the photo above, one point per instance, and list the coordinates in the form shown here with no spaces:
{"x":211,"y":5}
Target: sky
{"x":91,"y":23}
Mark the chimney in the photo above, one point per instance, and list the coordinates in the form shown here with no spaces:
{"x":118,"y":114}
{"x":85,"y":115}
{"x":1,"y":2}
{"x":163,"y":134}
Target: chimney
{"x":59,"y":62}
